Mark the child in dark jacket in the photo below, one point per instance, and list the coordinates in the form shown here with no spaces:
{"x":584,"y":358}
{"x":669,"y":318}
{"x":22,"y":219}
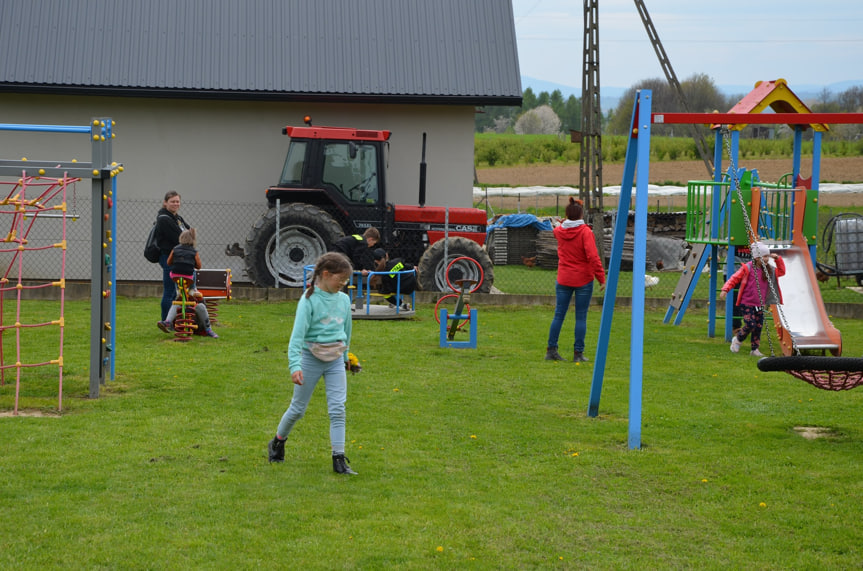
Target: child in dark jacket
{"x":184,"y":260}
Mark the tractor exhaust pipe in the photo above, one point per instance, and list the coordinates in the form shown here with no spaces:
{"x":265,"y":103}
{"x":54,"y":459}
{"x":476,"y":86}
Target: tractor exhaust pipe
{"x":423,"y":175}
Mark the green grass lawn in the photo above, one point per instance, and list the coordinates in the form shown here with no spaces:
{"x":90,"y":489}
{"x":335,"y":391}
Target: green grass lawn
{"x":467,"y":458}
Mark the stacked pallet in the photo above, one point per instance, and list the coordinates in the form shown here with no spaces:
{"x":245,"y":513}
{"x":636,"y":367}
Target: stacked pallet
{"x":628,"y":247}
{"x":521,"y":244}
{"x":546,"y":250}
{"x":497,"y":246}
{"x":512,"y":245}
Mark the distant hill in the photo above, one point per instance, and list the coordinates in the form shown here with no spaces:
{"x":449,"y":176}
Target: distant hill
{"x":610,"y":96}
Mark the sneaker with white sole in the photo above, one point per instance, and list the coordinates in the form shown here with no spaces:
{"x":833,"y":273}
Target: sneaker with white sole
{"x":735,"y":344}
{"x":756,"y":353}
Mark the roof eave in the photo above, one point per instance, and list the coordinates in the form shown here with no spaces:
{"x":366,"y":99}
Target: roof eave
{"x":233,"y":95}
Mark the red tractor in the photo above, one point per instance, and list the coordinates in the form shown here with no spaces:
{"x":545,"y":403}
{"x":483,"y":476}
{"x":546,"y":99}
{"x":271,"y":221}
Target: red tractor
{"x":333,"y":184}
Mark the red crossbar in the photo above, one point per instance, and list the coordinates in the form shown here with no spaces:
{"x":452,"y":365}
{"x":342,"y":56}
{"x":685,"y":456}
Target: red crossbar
{"x":757,"y":118}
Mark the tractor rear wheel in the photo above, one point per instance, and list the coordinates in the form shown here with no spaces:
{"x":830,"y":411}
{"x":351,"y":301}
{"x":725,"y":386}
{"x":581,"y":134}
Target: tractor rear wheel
{"x":433,"y":267}
{"x":305,"y":232}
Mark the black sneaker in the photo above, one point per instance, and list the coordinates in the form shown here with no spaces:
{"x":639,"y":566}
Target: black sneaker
{"x":276,"y":450}
{"x":578,"y":357}
{"x":340,"y":465}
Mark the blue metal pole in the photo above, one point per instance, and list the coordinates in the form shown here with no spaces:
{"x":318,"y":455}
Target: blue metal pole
{"x":816,"y":160}
{"x":639,"y":262}
{"x":614,"y":263}
{"x":113,"y":354}
{"x":798,"y":150}
{"x":45,"y":128}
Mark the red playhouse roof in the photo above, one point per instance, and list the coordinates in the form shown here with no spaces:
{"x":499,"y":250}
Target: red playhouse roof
{"x":776,"y":95}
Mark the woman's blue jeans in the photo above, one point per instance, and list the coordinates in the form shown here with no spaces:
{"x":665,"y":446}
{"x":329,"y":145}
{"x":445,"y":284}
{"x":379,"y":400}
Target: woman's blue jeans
{"x":169,"y":289}
{"x":582,"y":304}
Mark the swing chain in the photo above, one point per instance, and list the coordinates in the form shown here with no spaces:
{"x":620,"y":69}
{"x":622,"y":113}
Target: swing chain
{"x":752,"y":238}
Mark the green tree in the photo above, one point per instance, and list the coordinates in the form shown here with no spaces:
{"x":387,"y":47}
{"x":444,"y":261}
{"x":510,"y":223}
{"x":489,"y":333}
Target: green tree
{"x":528,"y":99}
{"x":702,"y":95}
{"x":851,"y":100}
{"x":543,"y":99}
{"x":556,"y":102}
{"x":663,"y":100}
{"x":570,"y":117}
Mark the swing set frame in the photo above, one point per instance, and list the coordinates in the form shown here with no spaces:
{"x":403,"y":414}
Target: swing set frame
{"x":638,"y":154}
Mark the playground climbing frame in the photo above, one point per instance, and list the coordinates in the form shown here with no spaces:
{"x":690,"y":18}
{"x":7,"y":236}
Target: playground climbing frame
{"x":101,"y":171}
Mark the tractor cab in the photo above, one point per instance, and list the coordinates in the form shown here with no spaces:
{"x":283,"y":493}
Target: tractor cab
{"x":340,"y":166}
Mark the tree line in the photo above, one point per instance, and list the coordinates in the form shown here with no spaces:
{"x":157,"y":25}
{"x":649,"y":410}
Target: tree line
{"x":551,"y":114}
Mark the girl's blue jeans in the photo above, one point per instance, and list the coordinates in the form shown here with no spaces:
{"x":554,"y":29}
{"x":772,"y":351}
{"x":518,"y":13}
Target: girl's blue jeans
{"x":564,"y":294}
{"x":336,"y":384}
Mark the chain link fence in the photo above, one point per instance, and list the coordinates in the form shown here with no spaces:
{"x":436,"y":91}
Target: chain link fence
{"x":219,"y":224}
{"x":525,"y":260}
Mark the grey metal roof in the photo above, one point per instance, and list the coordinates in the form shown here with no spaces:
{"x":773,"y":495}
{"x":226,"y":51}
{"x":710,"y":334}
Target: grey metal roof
{"x":377,"y":50}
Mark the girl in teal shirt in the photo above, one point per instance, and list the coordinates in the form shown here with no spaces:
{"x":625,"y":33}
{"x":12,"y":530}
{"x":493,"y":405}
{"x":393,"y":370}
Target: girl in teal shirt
{"x":319,"y":348}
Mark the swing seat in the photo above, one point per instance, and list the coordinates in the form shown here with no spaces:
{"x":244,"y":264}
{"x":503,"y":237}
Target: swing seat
{"x":827,"y":373}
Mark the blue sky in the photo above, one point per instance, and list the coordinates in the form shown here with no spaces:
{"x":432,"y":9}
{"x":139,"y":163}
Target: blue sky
{"x":735,"y":42}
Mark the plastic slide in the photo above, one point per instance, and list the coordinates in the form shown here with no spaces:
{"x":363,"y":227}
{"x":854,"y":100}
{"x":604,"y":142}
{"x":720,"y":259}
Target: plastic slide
{"x":805,"y":319}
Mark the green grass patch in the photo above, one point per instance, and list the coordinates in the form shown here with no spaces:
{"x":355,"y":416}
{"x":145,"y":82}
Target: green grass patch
{"x":467,"y":458}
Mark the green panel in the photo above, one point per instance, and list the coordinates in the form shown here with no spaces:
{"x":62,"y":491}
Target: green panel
{"x":738,"y":231}
{"x":810,"y":217}
{"x":700,"y":212}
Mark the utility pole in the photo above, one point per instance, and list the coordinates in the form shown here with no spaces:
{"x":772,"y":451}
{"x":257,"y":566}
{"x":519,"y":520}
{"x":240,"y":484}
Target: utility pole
{"x":590,"y":171}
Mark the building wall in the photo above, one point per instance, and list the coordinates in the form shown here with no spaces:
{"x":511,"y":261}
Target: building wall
{"x":232,"y":150}
{"x":220,"y":155}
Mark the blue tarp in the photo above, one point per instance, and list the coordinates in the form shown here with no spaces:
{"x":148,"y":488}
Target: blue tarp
{"x":519,"y":221}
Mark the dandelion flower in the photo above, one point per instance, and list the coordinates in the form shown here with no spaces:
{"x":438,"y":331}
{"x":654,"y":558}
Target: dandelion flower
{"x":473,"y":436}
{"x":704,"y":480}
{"x":762,"y":505}
{"x":440,"y":548}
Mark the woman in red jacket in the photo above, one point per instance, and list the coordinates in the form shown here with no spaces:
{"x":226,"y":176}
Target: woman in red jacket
{"x":577,"y":266}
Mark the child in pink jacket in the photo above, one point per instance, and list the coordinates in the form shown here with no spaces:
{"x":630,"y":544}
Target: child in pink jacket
{"x":754,"y":281}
